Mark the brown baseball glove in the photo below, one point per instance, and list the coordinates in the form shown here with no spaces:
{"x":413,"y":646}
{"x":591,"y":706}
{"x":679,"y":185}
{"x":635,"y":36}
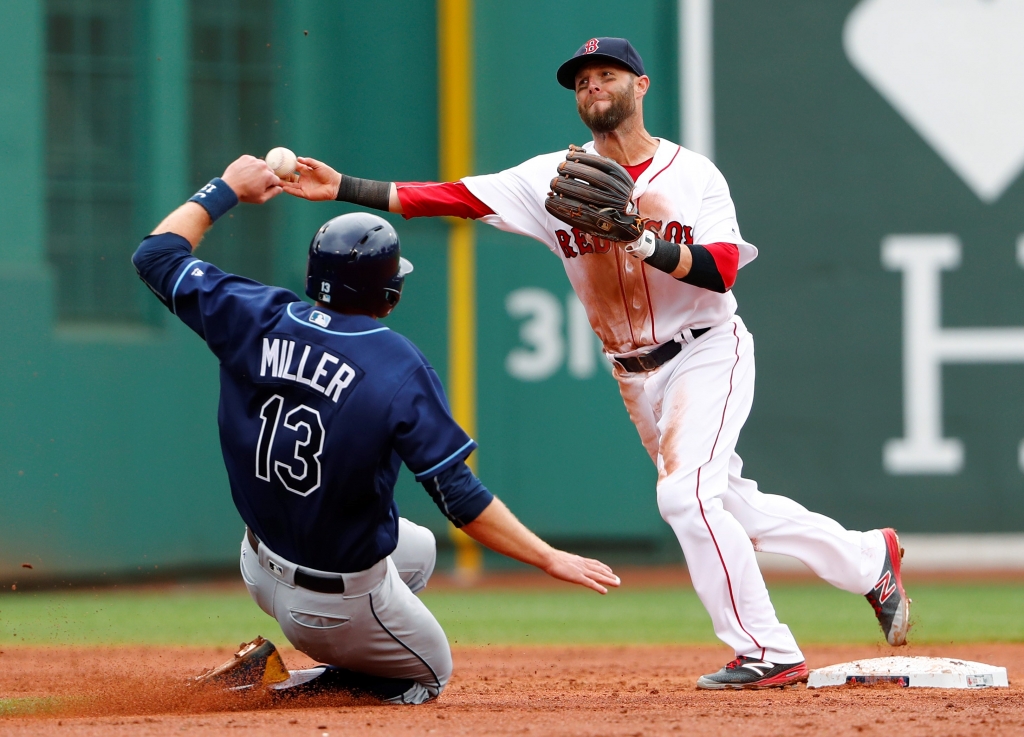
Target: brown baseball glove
{"x":593,"y":193}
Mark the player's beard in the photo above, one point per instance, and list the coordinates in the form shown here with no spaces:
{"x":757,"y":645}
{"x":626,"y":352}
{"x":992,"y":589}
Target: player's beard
{"x":622,"y":106}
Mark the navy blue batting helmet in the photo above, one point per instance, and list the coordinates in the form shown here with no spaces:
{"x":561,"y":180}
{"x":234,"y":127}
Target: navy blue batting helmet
{"x":355,"y":262}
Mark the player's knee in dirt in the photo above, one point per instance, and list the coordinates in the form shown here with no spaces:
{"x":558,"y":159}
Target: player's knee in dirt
{"x":442,"y":668}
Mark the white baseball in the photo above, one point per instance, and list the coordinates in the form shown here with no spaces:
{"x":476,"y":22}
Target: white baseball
{"x":283,"y":162}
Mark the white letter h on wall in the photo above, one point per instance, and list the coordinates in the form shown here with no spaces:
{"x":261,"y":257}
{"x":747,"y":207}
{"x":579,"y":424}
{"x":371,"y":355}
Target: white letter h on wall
{"x":927,"y":346}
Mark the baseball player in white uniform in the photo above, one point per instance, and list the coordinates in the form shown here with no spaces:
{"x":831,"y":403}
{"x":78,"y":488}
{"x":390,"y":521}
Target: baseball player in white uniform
{"x":666,"y":316}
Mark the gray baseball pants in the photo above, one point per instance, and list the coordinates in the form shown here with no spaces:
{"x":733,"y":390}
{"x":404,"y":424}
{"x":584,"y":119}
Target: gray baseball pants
{"x":378,"y":627}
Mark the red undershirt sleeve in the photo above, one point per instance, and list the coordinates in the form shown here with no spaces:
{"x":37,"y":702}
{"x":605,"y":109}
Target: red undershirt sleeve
{"x":432,"y":199}
{"x":727,"y":259}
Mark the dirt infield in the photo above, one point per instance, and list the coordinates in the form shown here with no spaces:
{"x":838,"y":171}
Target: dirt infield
{"x":628,"y":690}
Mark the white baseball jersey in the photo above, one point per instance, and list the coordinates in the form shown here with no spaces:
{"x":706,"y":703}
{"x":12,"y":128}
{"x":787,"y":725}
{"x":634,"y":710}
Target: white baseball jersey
{"x":689,"y":411}
{"x":631,"y":306}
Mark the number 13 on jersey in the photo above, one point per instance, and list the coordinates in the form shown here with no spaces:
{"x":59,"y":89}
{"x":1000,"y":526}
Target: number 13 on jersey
{"x":300,"y":473}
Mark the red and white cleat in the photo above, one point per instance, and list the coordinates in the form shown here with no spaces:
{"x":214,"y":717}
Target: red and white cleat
{"x":887,"y":597}
{"x":745,"y":672}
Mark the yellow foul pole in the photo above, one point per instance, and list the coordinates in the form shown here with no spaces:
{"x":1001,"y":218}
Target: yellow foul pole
{"x":455,"y":125}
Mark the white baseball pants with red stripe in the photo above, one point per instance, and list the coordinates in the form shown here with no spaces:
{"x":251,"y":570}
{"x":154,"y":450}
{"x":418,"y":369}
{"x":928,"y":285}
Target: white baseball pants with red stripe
{"x":689,"y":413}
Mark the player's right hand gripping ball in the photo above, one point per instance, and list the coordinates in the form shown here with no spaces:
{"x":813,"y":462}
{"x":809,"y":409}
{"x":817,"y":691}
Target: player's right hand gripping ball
{"x":594,"y":193}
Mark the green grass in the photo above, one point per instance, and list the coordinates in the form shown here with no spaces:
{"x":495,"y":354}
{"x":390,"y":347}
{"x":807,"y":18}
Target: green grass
{"x":816,"y":613}
{"x":23,"y":706}
{"x":188,"y":617}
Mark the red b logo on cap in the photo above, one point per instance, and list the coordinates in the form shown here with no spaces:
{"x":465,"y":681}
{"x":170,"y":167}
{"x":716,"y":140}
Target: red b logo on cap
{"x":590,"y":46}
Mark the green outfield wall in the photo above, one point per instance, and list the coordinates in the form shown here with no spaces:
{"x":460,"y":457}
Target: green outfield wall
{"x":873,"y":149}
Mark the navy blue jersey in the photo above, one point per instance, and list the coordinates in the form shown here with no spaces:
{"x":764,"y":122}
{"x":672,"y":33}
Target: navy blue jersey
{"x":317,"y":411}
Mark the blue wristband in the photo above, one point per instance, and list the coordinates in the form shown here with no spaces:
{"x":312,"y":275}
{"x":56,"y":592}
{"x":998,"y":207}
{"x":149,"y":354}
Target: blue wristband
{"x":216,"y":197}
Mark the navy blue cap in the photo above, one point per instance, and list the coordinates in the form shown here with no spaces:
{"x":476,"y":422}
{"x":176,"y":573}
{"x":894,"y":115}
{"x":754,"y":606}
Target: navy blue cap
{"x":617,"y":50}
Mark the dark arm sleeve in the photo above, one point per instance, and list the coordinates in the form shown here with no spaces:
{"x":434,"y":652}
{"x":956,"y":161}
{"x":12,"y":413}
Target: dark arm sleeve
{"x":714,"y":266}
{"x":458,"y":493}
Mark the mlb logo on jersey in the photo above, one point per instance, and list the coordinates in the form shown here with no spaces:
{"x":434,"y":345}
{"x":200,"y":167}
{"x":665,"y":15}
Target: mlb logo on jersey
{"x":319,"y":318}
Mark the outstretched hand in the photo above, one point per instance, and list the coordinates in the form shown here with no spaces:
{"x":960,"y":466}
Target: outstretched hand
{"x":317,"y":181}
{"x":497,"y":528}
{"x":584,"y":571}
{"x":252,"y":180}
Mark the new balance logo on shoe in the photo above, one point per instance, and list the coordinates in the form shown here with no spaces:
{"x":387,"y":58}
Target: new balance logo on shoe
{"x":759,"y":667}
{"x":885,"y":587}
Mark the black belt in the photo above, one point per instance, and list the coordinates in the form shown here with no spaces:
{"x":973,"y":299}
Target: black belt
{"x":652,"y":359}
{"x":311,"y":581}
